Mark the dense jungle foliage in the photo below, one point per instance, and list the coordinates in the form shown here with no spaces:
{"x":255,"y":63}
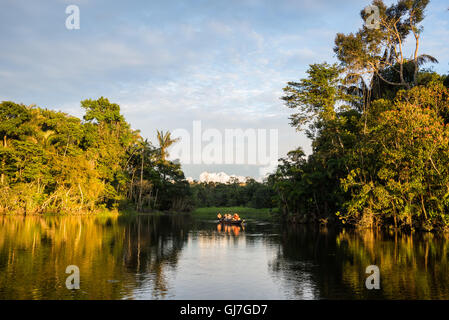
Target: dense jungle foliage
{"x":378,"y":120}
{"x":251,"y":194}
{"x":379,"y":125}
{"x":53,"y":162}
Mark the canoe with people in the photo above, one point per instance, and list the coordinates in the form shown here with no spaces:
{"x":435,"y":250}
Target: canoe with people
{"x":230,"y":219}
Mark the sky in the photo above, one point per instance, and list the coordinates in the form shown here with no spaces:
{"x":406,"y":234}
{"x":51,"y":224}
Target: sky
{"x":170,"y":64}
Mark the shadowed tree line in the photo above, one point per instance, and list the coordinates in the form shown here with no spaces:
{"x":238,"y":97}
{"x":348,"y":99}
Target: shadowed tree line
{"x":378,"y":121}
{"x":251,"y":194}
{"x":50,"y":161}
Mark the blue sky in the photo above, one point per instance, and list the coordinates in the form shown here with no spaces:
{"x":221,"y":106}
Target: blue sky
{"x":168,"y":63}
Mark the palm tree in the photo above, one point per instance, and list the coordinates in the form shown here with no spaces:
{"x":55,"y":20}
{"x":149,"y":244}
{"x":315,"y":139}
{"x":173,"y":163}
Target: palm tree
{"x":165,"y":141}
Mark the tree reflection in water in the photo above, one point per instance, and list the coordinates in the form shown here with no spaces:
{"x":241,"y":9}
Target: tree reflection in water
{"x":163,"y":257}
{"x":331,"y":264}
{"x":35,"y":251}
{"x":153,"y":245}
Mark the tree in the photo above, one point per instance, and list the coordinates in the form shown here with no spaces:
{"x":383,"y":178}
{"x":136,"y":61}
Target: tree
{"x":378,"y":125}
{"x":371,"y":51}
{"x":316,"y":96}
{"x":411,"y":184}
{"x":446,"y":81}
{"x":13,"y":116}
{"x":165,"y":141}
{"x":51,"y":161}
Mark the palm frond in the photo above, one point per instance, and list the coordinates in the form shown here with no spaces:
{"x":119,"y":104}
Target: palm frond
{"x":425,"y":58}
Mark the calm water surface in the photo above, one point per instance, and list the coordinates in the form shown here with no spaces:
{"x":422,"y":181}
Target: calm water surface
{"x":179,"y":257}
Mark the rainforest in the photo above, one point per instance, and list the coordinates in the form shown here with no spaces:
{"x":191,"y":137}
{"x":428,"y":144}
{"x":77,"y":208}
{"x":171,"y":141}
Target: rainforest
{"x":378,"y":119}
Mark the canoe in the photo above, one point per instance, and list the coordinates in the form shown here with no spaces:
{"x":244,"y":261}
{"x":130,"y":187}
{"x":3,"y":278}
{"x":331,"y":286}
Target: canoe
{"x":234,"y":222}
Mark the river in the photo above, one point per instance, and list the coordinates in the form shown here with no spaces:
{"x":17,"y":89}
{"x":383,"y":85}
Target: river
{"x":180,"y":257}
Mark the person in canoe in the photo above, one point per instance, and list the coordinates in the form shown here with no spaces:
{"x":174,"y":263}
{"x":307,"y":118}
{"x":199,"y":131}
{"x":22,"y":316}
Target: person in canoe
{"x":236,"y":217}
{"x":219,"y":216}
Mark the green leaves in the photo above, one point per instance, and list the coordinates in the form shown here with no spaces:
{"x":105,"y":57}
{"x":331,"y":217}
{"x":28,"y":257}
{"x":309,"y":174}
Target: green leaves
{"x":380,"y":52}
{"x":102,"y":111}
{"x":412,"y":166}
{"x":12,"y":118}
{"x":379,"y":128}
{"x":69,"y":165}
{"x":316,"y":97}
{"x":165,"y":141}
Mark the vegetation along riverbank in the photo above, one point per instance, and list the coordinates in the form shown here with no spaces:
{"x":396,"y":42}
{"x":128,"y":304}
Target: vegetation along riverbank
{"x":378,"y":119}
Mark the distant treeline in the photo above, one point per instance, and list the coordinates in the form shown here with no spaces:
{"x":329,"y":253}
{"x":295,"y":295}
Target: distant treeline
{"x":379,"y":125}
{"x":250,"y":194}
{"x":50,"y":161}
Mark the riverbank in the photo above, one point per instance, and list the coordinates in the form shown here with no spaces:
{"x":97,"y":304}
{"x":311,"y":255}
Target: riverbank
{"x":204,"y":212}
{"x":244,"y":212}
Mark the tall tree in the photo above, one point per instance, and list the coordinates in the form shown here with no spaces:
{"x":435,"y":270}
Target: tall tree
{"x":165,"y":141}
{"x":371,"y":51}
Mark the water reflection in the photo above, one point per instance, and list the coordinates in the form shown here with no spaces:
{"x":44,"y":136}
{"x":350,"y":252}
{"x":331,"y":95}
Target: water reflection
{"x":153,"y":246}
{"x":115,"y":255}
{"x":412,"y":266}
{"x":165,"y":257}
{"x":230,"y":229}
